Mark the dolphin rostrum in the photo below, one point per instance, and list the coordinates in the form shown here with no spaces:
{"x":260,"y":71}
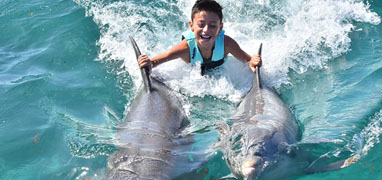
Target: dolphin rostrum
{"x":147,"y":138}
{"x":262,"y":129}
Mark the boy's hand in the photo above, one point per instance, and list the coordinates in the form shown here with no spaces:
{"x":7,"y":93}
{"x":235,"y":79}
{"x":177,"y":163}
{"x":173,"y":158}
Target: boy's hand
{"x":144,"y":61}
{"x":255,"y":61}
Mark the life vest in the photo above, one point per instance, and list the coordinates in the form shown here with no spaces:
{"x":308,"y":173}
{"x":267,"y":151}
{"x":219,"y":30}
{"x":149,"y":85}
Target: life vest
{"x":195,"y":55}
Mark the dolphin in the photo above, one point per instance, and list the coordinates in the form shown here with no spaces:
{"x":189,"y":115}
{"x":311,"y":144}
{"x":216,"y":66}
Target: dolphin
{"x":262,"y":140}
{"x":147,"y":138}
{"x":260,"y":131}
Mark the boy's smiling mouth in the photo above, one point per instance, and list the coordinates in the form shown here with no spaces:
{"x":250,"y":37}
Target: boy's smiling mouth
{"x":204,"y":37}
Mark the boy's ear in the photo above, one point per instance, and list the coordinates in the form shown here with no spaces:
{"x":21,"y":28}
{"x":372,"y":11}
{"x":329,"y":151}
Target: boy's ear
{"x":221,"y":28}
{"x":190,"y":23}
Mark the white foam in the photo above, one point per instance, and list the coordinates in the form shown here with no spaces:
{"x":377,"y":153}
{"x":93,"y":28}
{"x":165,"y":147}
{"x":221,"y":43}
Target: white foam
{"x":296,"y":34}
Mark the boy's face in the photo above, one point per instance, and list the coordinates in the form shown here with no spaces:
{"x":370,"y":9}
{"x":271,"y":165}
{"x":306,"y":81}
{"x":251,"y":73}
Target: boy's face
{"x":206,"y":27}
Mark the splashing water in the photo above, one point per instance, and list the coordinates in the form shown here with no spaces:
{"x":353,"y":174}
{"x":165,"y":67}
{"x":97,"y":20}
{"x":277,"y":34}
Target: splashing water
{"x":296,"y":34}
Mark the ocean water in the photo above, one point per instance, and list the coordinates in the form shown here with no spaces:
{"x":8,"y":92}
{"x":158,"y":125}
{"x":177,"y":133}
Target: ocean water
{"x":68,"y":75}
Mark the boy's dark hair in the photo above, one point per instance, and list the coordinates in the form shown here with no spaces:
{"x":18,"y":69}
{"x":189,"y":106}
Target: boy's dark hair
{"x":207,"y":5}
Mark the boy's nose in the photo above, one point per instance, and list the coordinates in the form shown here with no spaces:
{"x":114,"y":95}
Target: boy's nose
{"x":205,"y":28}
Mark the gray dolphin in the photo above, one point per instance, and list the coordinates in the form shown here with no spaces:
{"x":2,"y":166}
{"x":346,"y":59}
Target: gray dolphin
{"x":148,"y":137}
{"x":263,"y":140}
{"x":262,"y":129}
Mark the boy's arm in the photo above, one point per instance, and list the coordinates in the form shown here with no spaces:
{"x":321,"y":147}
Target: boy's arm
{"x":178,"y":51}
{"x":231,"y":46}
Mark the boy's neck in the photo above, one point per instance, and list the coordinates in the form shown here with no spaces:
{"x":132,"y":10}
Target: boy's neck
{"x":206,"y":52}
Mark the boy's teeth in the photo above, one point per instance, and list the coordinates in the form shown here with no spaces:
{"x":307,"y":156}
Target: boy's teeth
{"x":205,"y":37}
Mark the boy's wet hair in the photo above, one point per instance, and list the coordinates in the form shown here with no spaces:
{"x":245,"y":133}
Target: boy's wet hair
{"x":207,"y":5}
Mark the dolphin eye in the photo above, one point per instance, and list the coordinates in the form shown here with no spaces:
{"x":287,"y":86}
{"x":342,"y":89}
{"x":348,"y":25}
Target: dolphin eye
{"x":255,"y":150}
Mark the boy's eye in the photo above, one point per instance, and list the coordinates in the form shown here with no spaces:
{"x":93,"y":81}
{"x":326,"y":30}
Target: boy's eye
{"x":201,"y":25}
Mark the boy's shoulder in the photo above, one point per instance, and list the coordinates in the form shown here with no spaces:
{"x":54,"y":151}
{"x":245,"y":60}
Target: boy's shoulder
{"x":228,"y":38}
{"x":229,"y":42}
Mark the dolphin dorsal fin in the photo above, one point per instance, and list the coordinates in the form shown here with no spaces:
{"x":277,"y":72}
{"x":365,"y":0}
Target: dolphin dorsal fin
{"x":144,"y":71}
{"x":256,"y":87}
{"x":256,"y":81}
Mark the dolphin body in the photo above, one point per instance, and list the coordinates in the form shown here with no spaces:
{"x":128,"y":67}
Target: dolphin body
{"x":263,"y":140}
{"x":148,"y":137}
{"x":261,"y":132}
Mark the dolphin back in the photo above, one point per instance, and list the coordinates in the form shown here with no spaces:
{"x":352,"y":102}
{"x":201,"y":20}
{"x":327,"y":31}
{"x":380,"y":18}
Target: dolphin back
{"x":147,"y":140}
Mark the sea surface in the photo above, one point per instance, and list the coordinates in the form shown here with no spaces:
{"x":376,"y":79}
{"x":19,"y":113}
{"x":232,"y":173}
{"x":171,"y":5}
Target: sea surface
{"x":68,"y":75}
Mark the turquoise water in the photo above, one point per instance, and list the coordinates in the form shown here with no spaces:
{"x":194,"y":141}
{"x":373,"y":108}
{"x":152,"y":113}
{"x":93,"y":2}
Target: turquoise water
{"x":68,"y":75}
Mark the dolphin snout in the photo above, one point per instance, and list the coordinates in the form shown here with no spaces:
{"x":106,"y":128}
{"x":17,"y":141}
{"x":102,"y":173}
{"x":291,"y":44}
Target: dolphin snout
{"x":251,"y":167}
{"x":248,"y":169}
{"x":248,"y":172}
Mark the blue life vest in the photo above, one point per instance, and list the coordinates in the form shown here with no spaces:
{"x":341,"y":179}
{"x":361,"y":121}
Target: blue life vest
{"x":195,"y":55}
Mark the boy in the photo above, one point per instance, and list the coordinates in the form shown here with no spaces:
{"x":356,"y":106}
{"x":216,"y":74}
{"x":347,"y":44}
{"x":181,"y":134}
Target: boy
{"x":205,"y":42}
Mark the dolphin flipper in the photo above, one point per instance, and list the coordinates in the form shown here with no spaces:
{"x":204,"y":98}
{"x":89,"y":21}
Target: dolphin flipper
{"x":321,"y":155}
{"x":229,"y":176}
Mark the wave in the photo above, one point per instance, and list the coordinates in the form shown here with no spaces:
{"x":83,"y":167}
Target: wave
{"x":297,"y":35}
